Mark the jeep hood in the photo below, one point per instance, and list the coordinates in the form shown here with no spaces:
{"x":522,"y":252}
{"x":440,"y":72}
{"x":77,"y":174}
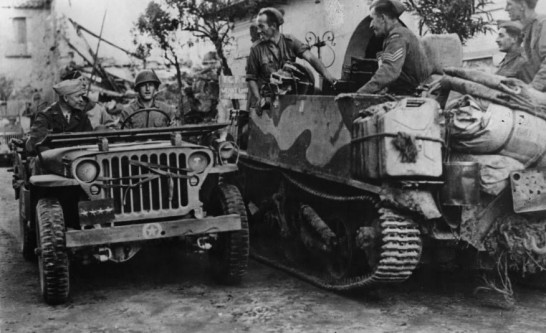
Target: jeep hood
{"x":54,"y":160}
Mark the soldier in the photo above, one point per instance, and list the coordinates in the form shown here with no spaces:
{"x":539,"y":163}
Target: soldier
{"x":534,"y":38}
{"x":403,"y":64}
{"x":514,"y":62}
{"x":146,"y":84}
{"x":273,"y":50}
{"x":65,"y":115}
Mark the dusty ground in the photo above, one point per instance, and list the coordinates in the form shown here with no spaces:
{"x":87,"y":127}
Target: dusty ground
{"x":165,"y":291}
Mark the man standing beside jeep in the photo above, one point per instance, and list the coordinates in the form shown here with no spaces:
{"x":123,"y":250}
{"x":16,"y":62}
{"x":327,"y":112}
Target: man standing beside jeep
{"x":146,"y":84}
{"x":65,"y":115}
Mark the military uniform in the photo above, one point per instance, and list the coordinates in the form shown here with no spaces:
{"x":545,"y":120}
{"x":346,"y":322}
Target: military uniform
{"x":52,"y":120}
{"x":267,"y":57}
{"x":513,"y":65}
{"x":534,"y":44}
{"x":98,"y":116}
{"x":153,"y":119}
{"x":403,"y":64}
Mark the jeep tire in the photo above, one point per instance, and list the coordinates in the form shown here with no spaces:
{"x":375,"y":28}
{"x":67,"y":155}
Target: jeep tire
{"x":52,"y":259}
{"x":229,"y":254}
{"x":28,"y":234}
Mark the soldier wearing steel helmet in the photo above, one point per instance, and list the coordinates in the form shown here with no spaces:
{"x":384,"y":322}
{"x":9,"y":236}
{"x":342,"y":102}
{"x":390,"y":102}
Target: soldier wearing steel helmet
{"x":146,"y":85}
{"x":403,"y":63}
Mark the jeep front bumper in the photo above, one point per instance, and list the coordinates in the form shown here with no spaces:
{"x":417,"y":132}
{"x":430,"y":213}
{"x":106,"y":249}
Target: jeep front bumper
{"x":154,"y":230}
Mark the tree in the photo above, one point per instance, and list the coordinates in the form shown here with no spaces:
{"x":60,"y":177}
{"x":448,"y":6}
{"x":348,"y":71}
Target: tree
{"x":207,"y":19}
{"x":465,"y":18}
{"x":158,"y":24}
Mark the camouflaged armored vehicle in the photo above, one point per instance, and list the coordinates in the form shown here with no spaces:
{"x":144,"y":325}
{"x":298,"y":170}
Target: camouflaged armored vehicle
{"x":105,"y":195}
{"x":354,"y":190}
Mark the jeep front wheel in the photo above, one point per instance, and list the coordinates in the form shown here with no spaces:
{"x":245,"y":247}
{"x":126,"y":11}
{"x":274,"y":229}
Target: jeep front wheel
{"x":28,"y":234}
{"x":53,"y":258}
{"x":229,"y":253}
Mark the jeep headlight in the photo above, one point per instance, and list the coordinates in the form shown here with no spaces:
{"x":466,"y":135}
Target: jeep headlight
{"x":87,"y":171}
{"x":198,"y":162}
{"x":226,"y":150}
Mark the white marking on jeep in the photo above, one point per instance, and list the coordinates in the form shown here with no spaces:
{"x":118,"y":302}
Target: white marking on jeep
{"x":151,"y":230}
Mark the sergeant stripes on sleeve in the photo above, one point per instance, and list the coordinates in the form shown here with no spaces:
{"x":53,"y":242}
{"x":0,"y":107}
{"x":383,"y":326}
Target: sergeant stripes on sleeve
{"x":393,"y":56}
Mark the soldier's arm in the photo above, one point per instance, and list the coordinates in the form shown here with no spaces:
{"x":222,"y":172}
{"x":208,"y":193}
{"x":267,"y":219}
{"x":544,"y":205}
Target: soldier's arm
{"x":318,"y":65}
{"x":539,"y":81}
{"x":393,"y":59}
{"x":252,"y":68}
{"x":37,"y":133}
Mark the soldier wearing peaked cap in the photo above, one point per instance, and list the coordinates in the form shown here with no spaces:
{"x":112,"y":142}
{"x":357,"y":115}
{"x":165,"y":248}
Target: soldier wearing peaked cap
{"x":65,"y":115}
{"x":509,"y":41}
{"x":403,"y":63}
{"x":273,"y":50}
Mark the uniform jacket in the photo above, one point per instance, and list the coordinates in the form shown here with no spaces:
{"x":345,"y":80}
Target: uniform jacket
{"x":52,"y":120}
{"x":534,"y":44}
{"x":403,"y":64}
{"x":514,"y":65}
{"x":153,"y":119}
{"x":98,"y":116}
{"x":267,"y":57}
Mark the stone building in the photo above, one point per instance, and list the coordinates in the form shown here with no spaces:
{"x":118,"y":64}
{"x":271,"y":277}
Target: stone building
{"x":28,"y":51}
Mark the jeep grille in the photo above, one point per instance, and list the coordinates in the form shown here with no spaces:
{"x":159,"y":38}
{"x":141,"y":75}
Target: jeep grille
{"x":157,"y":195}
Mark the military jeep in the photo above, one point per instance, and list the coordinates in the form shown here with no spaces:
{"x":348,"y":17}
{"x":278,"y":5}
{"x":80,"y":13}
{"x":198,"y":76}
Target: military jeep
{"x":102,"y":196}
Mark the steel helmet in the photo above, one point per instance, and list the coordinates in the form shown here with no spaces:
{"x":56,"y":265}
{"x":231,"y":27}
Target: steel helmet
{"x":146,"y":76}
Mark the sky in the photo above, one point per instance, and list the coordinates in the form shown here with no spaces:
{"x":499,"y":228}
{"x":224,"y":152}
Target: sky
{"x":120,"y":17}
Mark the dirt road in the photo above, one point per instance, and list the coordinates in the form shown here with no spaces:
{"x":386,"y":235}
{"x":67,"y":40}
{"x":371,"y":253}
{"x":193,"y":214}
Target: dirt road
{"x":162,"y":290}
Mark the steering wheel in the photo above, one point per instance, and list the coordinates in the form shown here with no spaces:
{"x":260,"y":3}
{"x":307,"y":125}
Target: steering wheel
{"x":147,"y":110}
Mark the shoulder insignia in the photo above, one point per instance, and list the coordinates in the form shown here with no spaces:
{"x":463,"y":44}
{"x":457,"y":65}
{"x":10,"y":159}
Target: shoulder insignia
{"x":395,"y":35}
{"x":394,"y":56}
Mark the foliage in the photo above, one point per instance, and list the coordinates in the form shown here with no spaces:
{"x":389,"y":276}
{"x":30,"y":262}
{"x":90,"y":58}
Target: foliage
{"x":158,"y":24}
{"x":207,"y":19}
{"x":465,"y":18}
{"x":6,"y":87}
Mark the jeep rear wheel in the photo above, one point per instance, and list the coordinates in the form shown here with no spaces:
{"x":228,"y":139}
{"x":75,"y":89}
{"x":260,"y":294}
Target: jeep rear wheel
{"x":28,"y":235}
{"x":229,"y":254}
{"x":53,"y":258}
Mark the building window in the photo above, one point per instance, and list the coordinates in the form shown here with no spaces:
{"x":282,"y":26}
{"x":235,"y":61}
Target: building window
{"x":19,"y":45}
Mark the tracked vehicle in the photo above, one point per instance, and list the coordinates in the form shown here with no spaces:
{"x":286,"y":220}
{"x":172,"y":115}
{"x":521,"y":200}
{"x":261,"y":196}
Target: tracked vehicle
{"x":349,"y":190}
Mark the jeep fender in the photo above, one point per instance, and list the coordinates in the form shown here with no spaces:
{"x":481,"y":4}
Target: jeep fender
{"x":52,"y":181}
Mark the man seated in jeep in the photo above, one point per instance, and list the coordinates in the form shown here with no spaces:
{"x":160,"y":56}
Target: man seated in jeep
{"x":146,"y":85}
{"x":65,"y":115}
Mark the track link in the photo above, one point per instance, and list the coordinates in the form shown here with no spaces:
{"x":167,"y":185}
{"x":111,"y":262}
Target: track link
{"x":400,"y":253}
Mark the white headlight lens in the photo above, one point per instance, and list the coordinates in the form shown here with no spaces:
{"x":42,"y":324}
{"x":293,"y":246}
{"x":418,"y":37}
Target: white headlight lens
{"x":87,"y":171}
{"x":198,"y":162}
{"x":226,"y":150}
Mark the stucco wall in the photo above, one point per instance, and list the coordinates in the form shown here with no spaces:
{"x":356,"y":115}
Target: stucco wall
{"x":37,"y":69}
{"x":301,"y":16}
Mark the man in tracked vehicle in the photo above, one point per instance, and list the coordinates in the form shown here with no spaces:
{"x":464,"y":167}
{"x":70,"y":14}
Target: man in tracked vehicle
{"x":403,"y":63}
{"x":272,"y":51}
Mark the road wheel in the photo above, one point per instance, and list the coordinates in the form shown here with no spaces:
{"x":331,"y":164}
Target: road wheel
{"x":53,"y":258}
{"x":28,"y":235}
{"x":229,"y":254}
